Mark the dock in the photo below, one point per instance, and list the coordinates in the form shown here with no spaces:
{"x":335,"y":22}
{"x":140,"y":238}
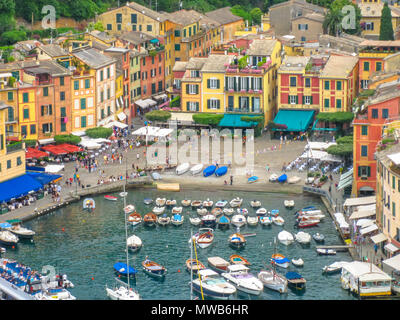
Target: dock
{"x":336,"y":247}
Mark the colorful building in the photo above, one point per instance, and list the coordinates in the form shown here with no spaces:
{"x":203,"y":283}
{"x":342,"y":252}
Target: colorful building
{"x":229,"y":23}
{"x":191,"y":84}
{"x":9,"y":95}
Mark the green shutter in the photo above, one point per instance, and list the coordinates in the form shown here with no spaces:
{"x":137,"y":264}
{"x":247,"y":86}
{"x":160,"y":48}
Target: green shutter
{"x":303,"y":99}
{"x":369,"y":171}
{"x":297,"y":99}
{"x":359,"y":171}
{"x":197,"y":106}
{"x":218,"y":104}
{"x":208,"y":103}
{"x":311,"y":100}
{"x":218,"y":84}
{"x":187,"y":88}
{"x":197,"y":88}
{"x":187,"y":106}
{"x":208,"y":83}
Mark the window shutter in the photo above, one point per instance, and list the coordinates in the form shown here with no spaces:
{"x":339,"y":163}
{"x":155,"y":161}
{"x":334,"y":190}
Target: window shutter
{"x":208,"y":104}
{"x":42,"y":110}
{"x":239,"y":84}
{"x":252,"y":83}
{"x":252,"y":104}
{"x":260,"y":83}
{"x":302,"y":99}
{"x":208,"y":83}
{"x":234,"y":84}
{"x":226,"y":83}
{"x":218,"y":104}
{"x":187,"y":88}
{"x":369,"y":171}
{"x":197,"y":88}
{"x":311,"y":100}
{"x":187,"y":106}
{"x":197,"y":106}
{"x":359,"y":171}
{"x":297,"y":99}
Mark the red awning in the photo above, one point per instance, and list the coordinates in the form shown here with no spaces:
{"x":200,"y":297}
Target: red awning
{"x":55,"y":150}
{"x":70,"y":148}
{"x":35,"y":153}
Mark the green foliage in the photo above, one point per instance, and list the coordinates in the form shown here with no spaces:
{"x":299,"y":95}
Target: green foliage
{"x":158,"y":115}
{"x":345,"y":139}
{"x":386,"y":30}
{"x":30,"y":143}
{"x":11,"y":81}
{"x":256,"y":14}
{"x":96,"y":26}
{"x":343,"y":149}
{"x":333,"y":20}
{"x":242,"y":62}
{"x":207,"y":118}
{"x":240,"y":11}
{"x":99,"y":132}
{"x":175,"y":102}
{"x":67,"y":138}
{"x":259,"y":126}
{"x":11,"y":37}
{"x":7,"y":11}
{"x":262,"y":62}
{"x":339,"y":117}
{"x":366,"y":93}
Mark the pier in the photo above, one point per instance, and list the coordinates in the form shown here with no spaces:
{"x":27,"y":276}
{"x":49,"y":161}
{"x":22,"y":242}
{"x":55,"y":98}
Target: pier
{"x":336,"y":247}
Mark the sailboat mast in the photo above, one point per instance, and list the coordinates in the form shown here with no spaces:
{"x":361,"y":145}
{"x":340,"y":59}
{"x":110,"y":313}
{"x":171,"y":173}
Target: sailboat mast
{"x":191,"y":267}
{"x":126,"y":241}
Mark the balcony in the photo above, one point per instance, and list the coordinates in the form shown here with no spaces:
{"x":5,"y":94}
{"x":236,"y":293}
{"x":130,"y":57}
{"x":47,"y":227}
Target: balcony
{"x":244,"y":110}
{"x":13,"y":147}
{"x":243,"y":91}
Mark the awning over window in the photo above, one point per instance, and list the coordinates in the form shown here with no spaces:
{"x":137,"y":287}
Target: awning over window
{"x":18,"y":187}
{"x":391,"y":247}
{"x":294,"y":120}
{"x":115,"y":124}
{"x":44,"y":178}
{"x":379,"y":238}
{"x":145,"y":103}
{"x":121,"y":116}
{"x":362,"y":214}
{"x":369,"y":229}
{"x":234,"y":121}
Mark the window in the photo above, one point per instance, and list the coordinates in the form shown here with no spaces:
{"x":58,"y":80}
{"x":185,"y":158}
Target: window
{"x":134,"y":27}
{"x":338,"y":85}
{"x":326,"y":103}
{"x":153,"y":88}
{"x":364,"y":171}
{"x":19,"y":161}
{"x":109,"y":26}
{"x":45,"y":91}
{"x":385,"y":113}
{"x":307,"y":99}
{"x":23,"y":131}
{"x":61,"y":81}
{"x":32,"y":128}
{"x":133,"y":18}
{"x":369,"y":26}
{"x":83,"y":103}
{"x":366,"y":66}
{"x":119,"y":17}
{"x":364,"y":130}
{"x":393,"y":209}
{"x":83,"y":122}
{"x":108,"y":73}
{"x":293,"y":99}
{"x":192,"y":106}
{"x":374,"y":113}
{"x":101,"y":96}
{"x":303,"y":39}
{"x":364,"y":84}
{"x":214,"y":83}
{"x":364,"y":151}
{"x":108,"y":111}
{"x":160,"y":86}
{"x":302,"y":26}
{"x":10,"y":114}
{"x":87,"y":83}
{"x":108,"y":94}
{"x":177,"y":47}
{"x":393,"y":182}
{"x":177,"y":33}
{"x":231,"y":100}
{"x":292,"y":81}
{"x":101,"y":75}
{"x":26,"y":113}
{"x":8,"y":164}
{"x":338,"y":103}
{"x":10,"y":96}
{"x":194,"y":73}
{"x":47,"y":127}
{"x":307,"y":82}
{"x":326,"y":85}
{"x":62,"y":95}
{"x":149,"y":27}
{"x":378,"y":66}
{"x":25,"y":97}
{"x":213,"y":103}
{"x":76,"y":85}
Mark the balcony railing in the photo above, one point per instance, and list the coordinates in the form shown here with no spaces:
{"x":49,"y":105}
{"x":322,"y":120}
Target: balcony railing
{"x":244,"y":91}
{"x":14,"y":147}
{"x":244,"y":110}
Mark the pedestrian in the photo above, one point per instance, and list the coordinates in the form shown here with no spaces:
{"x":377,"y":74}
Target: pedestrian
{"x":137,"y":156}
{"x":376,"y":248}
{"x":231,"y":180}
{"x":330,"y":189}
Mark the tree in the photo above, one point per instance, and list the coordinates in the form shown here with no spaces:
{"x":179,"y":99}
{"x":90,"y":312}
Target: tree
{"x":67,"y":138}
{"x":386,"y":30}
{"x":332,"y":23}
{"x":256,"y":14}
{"x":11,"y":37}
{"x":99,"y":132}
{"x":335,"y":16}
{"x":158,"y":115}
{"x":7,"y":11}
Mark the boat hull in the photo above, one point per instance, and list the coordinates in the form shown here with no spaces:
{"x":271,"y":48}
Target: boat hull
{"x":23,"y":236}
{"x":208,"y":292}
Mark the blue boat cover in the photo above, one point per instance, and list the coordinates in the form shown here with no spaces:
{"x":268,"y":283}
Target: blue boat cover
{"x":120,"y":267}
{"x":33,"y":168}
{"x":282,"y":178}
{"x":221,"y":171}
{"x":293,"y":275}
{"x":209,"y":170}
{"x":18,"y":187}
{"x":253,"y":178}
{"x":177,"y":217}
{"x":223,"y":219}
{"x":283,"y":260}
{"x":5,"y":225}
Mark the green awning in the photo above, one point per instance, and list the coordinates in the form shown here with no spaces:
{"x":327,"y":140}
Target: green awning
{"x":294,"y":120}
{"x":234,"y":121}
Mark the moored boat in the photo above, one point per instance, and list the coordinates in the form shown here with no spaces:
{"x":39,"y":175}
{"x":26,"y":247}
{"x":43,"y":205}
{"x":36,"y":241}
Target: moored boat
{"x":335,"y":267}
{"x":176,"y":210}
{"x":134,"y":243}
{"x":318,"y":237}
{"x":280,"y":260}
{"x":203,"y":238}
{"x":150,"y":219}
{"x":212,"y":285}
{"x":223,"y":222}
{"x":134,"y":218}
{"x":208,"y":203}
{"x":195,"y":221}
{"x":237,"y":241}
{"x":237,"y":259}
{"x":307,"y":222}
{"x":279,"y":221}
{"x":242,"y":211}
{"x":265,"y":220}
{"x":21,"y":232}
{"x":209,"y":220}
{"x":160,"y":201}
{"x":177,"y":219}
{"x":238,"y":220}
{"x":218,"y":264}
{"x":121,"y":291}
{"x":89,"y":204}
{"x":282,"y":178}
{"x":237,"y":202}
{"x":170,"y":202}
{"x":221,"y":171}
{"x":325,"y":251}
{"x":123,"y":194}
{"x":158,"y":210}
{"x":164,"y":220}
{"x":210,"y":170}
{"x":273,"y":280}
{"x":255,"y":203}
{"x":182,"y":168}
{"x":303,"y":237}
{"x":273,"y":177}
{"x":243,"y":280}
{"x":196,"y":169}
{"x":8,"y":239}
{"x":252,"y":179}
{"x":129,"y":209}
{"x":186,"y":202}
{"x":110,"y":198}
{"x":216,"y":211}
{"x":202,"y":211}
{"x":261,"y":212}
{"x":194,"y":265}
{"x":147,"y":201}
{"x":228,"y":211}
{"x":196,"y":203}
{"x":285,"y":237}
{"x":289,"y":204}
{"x":295,"y":280}
{"x":122,"y":270}
{"x":274,"y":212}
{"x":153,"y":268}
{"x":221,"y":203}
{"x":298,"y":262}
{"x":252,"y":221}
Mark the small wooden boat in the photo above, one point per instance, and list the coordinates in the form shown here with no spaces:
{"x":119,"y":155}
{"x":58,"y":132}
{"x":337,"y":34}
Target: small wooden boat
{"x":204,"y":238}
{"x":216,"y":211}
{"x":110,"y":198}
{"x":196,"y":203}
{"x":176,"y":210}
{"x":8,"y":239}
{"x":295,"y":280}
{"x":318,"y":237}
{"x":202,"y":211}
{"x":208,"y":203}
{"x":182,"y":168}
{"x":279,"y":221}
{"x":150,"y":219}
{"x":134,"y":243}
{"x":186,"y":203}
{"x":195,"y":221}
{"x":218,"y":264}
{"x":236,"y":259}
{"x":147,"y":201}
{"x":134,"y":218}
{"x":89,"y":204}
{"x":196,"y":169}
{"x":252,"y":179}
{"x":158,"y":210}
{"x":129,"y":209}
{"x":221,"y":171}
{"x":209,"y":220}
{"x":298,"y":262}
{"x":228,"y":211}
{"x":303,"y":237}
{"x":289,"y":204}
{"x":223,"y":222}
{"x":242,"y":211}
{"x":237,"y":202}
{"x":160,"y":202}
{"x":273,"y":177}
{"x":164,"y":220}
{"x":170,"y":203}
{"x":210,"y":170}
{"x":261,"y":212}
{"x":238,"y":220}
{"x":326,"y":251}
{"x":194,"y":265}
{"x":280,"y":260}
{"x":252,"y":221}
{"x":237,"y":241}
{"x":221,"y":203}
{"x":285,"y":237}
{"x":123,"y":270}
{"x":153,"y":269}
{"x":177,"y":219}
{"x":282,"y":178}
{"x":273,"y":280}
{"x":255,"y":203}
{"x":265,"y":220}
{"x":274,"y":213}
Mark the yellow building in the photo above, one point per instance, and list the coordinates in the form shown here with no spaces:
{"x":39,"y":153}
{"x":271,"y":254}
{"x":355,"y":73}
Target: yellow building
{"x":27,"y":117}
{"x":12,"y":157}
{"x":9,"y":95}
{"x":191,"y":84}
{"x":229,"y":23}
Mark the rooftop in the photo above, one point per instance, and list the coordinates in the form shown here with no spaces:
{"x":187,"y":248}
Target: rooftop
{"x":294,"y":63}
{"x":148,"y":12}
{"x":375,"y":10}
{"x":338,"y":66}
{"x":216,"y":63}
{"x":299,"y":3}
{"x":102,"y":35}
{"x":93,"y":58}
{"x":136,"y":37}
{"x":53,"y":50}
{"x":180,"y":66}
{"x":380,"y":43}
{"x":196,"y":63}
{"x":47,"y":66}
{"x":184,"y":17}
{"x":313,"y":16}
{"x":223,"y":15}
{"x":261,"y":47}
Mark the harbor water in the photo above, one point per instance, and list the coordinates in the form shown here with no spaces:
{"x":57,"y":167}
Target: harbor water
{"x":86,"y":245}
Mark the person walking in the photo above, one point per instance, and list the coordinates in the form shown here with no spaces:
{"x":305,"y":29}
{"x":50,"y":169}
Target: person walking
{"x":231,"y":180}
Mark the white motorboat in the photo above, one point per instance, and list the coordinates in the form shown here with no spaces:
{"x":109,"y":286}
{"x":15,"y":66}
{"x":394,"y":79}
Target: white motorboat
{"x":238,"y":220}
{"x":289,"y":204}
{"x":196,"y":169}
{"x":195,"y":221}
{"x":176,"y":210}
{"x":22,"y":232}
{"x":242,"y":211}
{"x":177,"y":219}
{"x":203,"y":238}
{"x":134,"y":243}
{"x":285,"y":237}
{"x":273,"y":177}
{"x":164,"y":220}
{"x":242,"y":279}
{"x":228,"y":211}
{"x":208,"y":203}
{"x":121,"y":291}
{"x":334,"y":267}
{"x":212,"y":285}
{"x":202,"y":211}
{"x":294,"y":179}
{"x":279,"y":221}
{"x":147,"y":201}
{"x":196,"y":203}
{"x":221,"y":203}
{"x":209,"y":220}
{"x":303,"y":237}
{"x":298,"y":262}
{"x":158,"y":210}
{"x":273,"y":280}
{"x":318,"y":237}
{"x":261,"y":211}
{"x":8,"y":239}
{"x":123,"y":194}
{"x":170,"y":203}
{"x":54,"y":294}
{"x":182,"y":168}
{"x":326,"y":251}
{"x":265,"y":220}
{"x":129,"y":209}
{"x":160,"y":202}
{"x":186,"y":202}
{"x":255,"y":203}
{"x":237,"y":202}
{"x":252,"y":221}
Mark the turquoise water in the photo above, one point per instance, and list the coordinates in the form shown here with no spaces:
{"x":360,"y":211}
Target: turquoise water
{"x":86,"y":245}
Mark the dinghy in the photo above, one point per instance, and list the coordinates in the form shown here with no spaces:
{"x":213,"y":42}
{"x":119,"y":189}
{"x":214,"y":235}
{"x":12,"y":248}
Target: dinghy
{"x":252,"y":221}
{"x":158,"y":210}
{"x":237,"y":202}
{"x":153,"y":269}
{"x":196,"y":169}
{"x":193,"y":265}
{"x":209,"y":220}
{"x":255,"y":204}
{"x":134,"y":218}
{"x":129,"y":209}
{"x":303,"y":237}
{"x":170,"y":203}
{"x":163,"y":220}
{"x":177,"y":219}
{"x":182,"y":168}
{"x":293,"y":180}
{"x":210,"y":170}
{"x":202,"y":211}
{"x":252,"y":179}
{"x":208,"y":203}
{"x":223,"y":222}
{"x":273,"y":177}
{"x":289,"y":204}
{"x":238,"y":220}
{"x":318,"y":237}
{"x":295,"y":280}
{"x":243,"y":280}
{"x":334,"y":267}
{"x":216,"y":211}
{"x":221,"y":203}
{"x":298,"y":262}
{"x":282,"y":178}
{"x":261,"y":212}
{"x":228,"y":211}
{"x":236,"y":259}
{"x":221,"y":171}
{"x":285,"y":237}
{"x":279,"y":221}
{"x":218,"y":264}
{"x":196,"y":203}
{"x":89,"y":204}
{"x":326,"y":251}
{"x":123,"y":194}
{"x":237,"y":241}
{"x":122,"y":270}
{"x":186,"y":203}
{"x":150,"y":219}
{"x":160,"y":202}
{"x":110,"y":198}
{"x":176,"y":210}
{"x":274,"y":213}
{"x":273,"y":280}
{"x":306,"y":223}
{"x":134,"y":243}
{"x":147,"y":201}
{"x":265,"y":220}
{"x":280,"y":260}
{"x":203,"y":238}
{"x":212,"y":285}
{"x":195,"y":221}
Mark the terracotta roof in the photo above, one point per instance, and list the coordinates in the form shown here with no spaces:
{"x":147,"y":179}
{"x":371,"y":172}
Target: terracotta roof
{"x":196,"y":63}
{"x":223,"y":15}
{"x":338,"y":66}
{"x":180,"y":66}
